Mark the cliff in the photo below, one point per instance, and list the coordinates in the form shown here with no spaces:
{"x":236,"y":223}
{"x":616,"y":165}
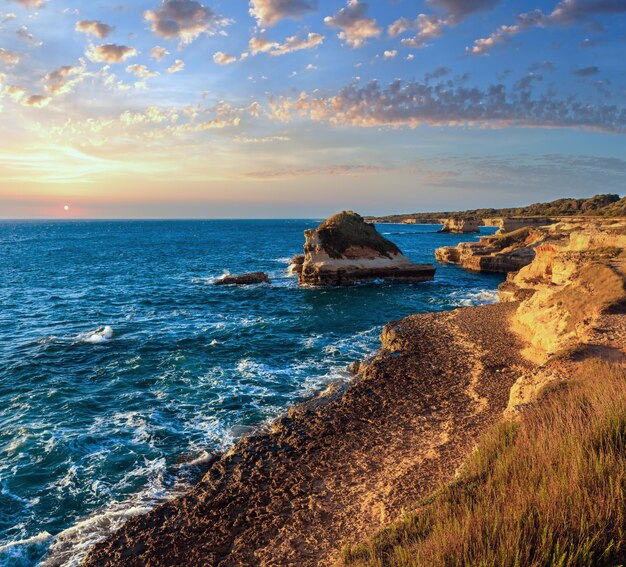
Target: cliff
{"x":460,"y":226}
{"x":345,"y":249}
{"x":502,"y":253}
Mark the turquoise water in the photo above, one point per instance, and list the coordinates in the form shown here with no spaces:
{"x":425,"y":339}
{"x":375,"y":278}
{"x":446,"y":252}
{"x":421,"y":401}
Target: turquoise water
{"x":97,"y":427}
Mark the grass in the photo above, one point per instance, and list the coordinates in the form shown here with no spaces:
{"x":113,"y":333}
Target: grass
{"x":347,"y":229}
{"x":596,"y":287}
{"x":547,"y":490}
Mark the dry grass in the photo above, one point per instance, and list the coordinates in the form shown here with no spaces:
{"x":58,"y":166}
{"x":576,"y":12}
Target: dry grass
{"x":549,"y":490}
{"x":596,"y":287}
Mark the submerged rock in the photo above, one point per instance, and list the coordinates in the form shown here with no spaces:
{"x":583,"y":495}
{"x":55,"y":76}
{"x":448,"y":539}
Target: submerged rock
{"x":243,"y":279}
{"x":460,"y":226}
{"x":345,"y":249}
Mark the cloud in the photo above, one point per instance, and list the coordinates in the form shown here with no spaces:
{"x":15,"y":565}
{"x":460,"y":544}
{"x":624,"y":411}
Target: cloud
{"x":587,"y":71}
{"x":356,"y":27}
{"x":571,"y":11}
{"x":38,"y":101}
{"x":158,"y":52}
{"x":566,"y":12}
{"x":270,"y":12}
{"x":176,"y":67}
{"x":141,"y":71}
{"x":25,"y":35}
{"x":9,"y":57}
{"x":450,"y":103}
{"x":110,"y":53}
{"x":184,"y":20}
{"x":431,"y":26}
{"x":390,"y":53}
{"x":503,"y":34}
{"x":95,"y":28}
{"x":15,"y":92}
{"x":31,"y":3}
{"x":291,"y":44}
{"x":64,"y":79}
{"x":428,"y":27}
{"x":458,"y":10}
{"x":222,"y":58}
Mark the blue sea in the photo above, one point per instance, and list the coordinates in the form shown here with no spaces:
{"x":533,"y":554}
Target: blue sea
{"x":123,"y":369}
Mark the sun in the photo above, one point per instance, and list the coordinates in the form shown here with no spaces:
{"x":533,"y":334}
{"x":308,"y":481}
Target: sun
{"x":66,"y":207}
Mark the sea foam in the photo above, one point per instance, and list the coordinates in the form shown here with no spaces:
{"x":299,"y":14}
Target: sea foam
{"x":99,"y":336}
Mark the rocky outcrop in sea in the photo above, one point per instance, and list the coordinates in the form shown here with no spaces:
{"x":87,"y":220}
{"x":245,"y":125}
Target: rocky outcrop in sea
{"x":344,"y":250}
{"x":460,"y":226}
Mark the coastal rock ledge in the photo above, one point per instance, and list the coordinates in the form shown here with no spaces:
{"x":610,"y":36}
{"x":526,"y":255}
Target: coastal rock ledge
{"x":344,"y":250}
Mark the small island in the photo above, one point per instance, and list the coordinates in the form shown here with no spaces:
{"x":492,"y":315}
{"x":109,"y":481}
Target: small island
{"x":345,"y":250}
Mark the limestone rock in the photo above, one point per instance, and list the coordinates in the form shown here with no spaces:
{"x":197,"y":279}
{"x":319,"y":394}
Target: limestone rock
{"x":503,"y":253}
{"x":345,"y":250}
{"x":511,"y":224}
{"x":460,"y":226}
{"x":295,"y":266}
{"x":243,"y":279}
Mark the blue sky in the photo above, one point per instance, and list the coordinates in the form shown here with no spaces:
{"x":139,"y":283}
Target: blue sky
{"x":272,"y":108}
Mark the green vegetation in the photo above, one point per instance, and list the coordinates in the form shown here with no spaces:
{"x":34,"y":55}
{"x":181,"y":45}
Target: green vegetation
{"x":548,"y":490}
{"x":609,"y":205}
{"x":347,"y":229}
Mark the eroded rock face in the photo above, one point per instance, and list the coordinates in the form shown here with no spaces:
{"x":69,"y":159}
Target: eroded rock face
{"x":460,"y":226}
{"x":295,"y":266}
{"x":345,"y":250}
{"x":578,"y":274}
{"x":511,"y":224}
{"x":243,"y":279}
{"x":500,"y":253}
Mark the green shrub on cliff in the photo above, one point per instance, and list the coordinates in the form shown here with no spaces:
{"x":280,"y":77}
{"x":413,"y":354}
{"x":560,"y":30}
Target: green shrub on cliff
{"x":549,"y":490}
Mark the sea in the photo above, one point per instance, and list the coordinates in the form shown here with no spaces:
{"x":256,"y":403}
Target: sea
{"x":123,"y":369}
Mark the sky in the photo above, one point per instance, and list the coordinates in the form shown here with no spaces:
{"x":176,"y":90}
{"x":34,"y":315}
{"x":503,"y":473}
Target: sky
{"x":300,"y":108}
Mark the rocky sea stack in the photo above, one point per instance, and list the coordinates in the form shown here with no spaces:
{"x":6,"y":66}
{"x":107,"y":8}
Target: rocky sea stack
{"x":243,"y":279}
{"x":345,"y":249}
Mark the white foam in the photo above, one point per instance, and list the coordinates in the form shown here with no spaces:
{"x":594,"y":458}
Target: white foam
{"x":478,"y":297}
{"x":99,"y":336}
{"x":14,"y":549}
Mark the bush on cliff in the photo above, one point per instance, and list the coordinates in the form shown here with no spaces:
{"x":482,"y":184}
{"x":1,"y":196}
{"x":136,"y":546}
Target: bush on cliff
{"x":547,"y":490}
{"x":347,"y":229}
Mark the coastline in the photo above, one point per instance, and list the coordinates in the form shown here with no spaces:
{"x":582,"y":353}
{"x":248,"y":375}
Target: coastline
{"x":341,"y":466}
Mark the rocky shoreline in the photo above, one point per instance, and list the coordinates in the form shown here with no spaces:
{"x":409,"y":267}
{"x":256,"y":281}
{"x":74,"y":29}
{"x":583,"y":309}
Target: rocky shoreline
{"x":332,"y":472}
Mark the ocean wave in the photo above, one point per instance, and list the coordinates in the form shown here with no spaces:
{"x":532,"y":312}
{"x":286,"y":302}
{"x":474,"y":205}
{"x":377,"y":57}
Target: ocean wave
{"x":476,"y":297}
{"x":23,"y":551}
{"x":99,"y":336}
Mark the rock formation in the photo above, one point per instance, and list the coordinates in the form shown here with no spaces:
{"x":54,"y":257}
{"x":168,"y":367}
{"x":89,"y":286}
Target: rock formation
{"x":345,"y":249}
{"x":460,"y":226}
{"x":578,"y":274}
{"x":295,"y":266}
{"x":243,"y":279}
{"x":511,"y":224}
{"x":502,"y":253}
